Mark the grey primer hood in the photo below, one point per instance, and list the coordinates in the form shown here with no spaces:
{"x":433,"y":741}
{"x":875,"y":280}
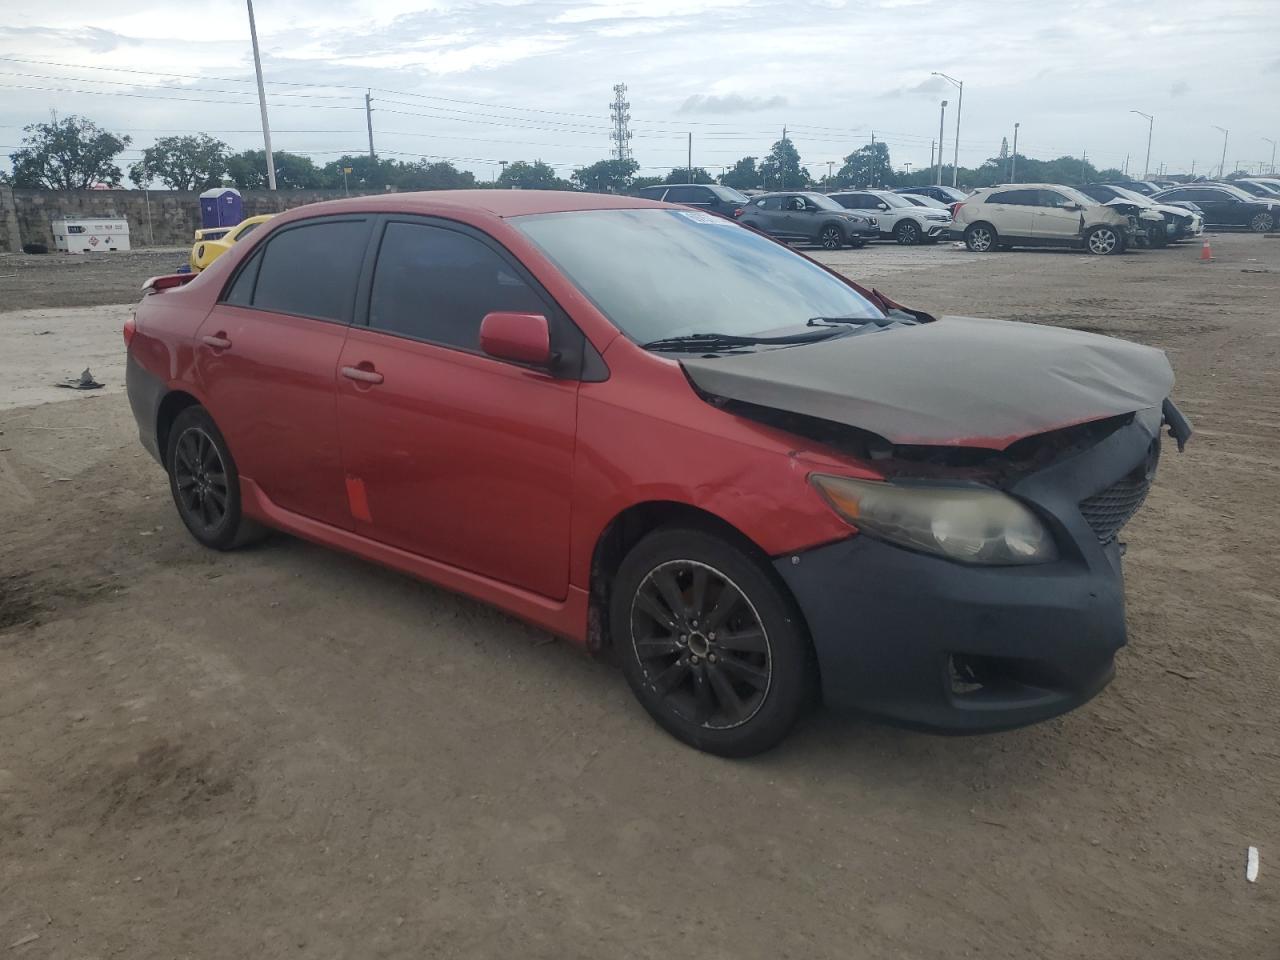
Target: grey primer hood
{"x":958,"y":381}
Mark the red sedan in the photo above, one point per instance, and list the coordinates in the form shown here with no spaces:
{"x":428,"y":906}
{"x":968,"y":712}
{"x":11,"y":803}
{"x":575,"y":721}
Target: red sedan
{"x":648,"y":428}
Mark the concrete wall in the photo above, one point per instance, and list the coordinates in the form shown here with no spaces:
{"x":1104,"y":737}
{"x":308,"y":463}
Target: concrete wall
{"x":161,"y":218}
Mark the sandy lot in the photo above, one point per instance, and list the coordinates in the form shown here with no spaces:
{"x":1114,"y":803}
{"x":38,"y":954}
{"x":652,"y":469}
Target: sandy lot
{"x":288,"y":752}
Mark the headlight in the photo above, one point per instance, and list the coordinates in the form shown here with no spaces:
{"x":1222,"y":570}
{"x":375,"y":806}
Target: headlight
{"x":968,"y":524}
{"x":873,"y":221}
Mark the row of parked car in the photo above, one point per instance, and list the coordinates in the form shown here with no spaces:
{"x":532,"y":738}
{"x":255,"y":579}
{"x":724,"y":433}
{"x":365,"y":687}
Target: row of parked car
{"x":1103,"y":218}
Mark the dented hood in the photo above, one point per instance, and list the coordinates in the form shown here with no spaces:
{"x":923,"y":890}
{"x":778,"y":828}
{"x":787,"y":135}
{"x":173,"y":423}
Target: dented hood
{"x":958,"y":381}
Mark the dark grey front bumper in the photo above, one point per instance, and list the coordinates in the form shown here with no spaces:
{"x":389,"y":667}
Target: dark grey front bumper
{"x":951,"y":647}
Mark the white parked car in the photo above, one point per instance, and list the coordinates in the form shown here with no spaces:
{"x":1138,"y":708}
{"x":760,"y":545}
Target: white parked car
{"x":1042,"y":215}
{"x":899,"y":219}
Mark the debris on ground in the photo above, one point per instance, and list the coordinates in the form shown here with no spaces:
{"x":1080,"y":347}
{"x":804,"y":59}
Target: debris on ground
{"x":1251,"y":865}
{"x":85,"y":382}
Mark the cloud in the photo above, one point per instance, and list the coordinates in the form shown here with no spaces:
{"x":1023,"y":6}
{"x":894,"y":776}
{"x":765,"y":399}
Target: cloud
{"x":1273,"y":66}
{"x":730,"y":103}
{"x":928,"y":86}
{"x":95,"y":39}
{"x":1179,"y":89}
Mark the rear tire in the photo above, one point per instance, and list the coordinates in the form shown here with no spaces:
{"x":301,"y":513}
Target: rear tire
{"x":205,"y":483}
{"x":981,"y":238}
{"x":710,"y":642}
{"x":1262,"y":223}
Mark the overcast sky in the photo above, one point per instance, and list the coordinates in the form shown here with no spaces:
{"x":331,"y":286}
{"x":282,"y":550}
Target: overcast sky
{"x":536,"y":78}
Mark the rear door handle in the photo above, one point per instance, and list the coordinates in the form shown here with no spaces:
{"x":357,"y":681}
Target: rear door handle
{"x":218,"y":341}
{"x":362,"y":375}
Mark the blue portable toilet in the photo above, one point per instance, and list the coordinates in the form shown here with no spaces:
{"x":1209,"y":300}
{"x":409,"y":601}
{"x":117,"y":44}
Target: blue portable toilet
{"x":221,"y":207}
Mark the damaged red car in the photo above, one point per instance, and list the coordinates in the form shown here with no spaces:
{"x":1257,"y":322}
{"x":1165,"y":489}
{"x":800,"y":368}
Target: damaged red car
{"x":654,"y":431}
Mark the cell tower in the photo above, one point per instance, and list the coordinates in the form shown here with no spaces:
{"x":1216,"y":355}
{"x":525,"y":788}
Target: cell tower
{"x":620,"y":111}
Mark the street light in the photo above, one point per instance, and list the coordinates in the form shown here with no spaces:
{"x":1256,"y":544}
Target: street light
{"x":1151,"y":122}
{"x":955,"y":165}
{"x":1273,"y":154}
{"x":1013,"y":165}
{"x":1222,"y":167}
{"x":942,"y":119}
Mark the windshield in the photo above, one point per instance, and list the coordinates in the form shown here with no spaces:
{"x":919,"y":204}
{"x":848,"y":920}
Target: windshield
{"x":892,"y":199}
{"x":670,"y":273}
{"x":730,"y":194}
{"x":1074,"y":195}
{"x":921,"y":201}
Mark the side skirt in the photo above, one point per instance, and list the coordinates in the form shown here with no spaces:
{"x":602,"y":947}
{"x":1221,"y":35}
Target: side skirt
{"x":567,"y":618}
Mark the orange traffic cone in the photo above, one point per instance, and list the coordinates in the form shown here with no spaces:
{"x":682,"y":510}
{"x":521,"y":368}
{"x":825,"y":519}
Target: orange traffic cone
{"x":1205,"y":253}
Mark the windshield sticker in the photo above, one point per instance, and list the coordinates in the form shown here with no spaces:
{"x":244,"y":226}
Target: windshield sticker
{"x":698,"y":216}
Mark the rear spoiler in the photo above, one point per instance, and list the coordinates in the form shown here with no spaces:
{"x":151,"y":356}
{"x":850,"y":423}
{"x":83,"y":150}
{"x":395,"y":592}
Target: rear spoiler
{"x":158,"y":284}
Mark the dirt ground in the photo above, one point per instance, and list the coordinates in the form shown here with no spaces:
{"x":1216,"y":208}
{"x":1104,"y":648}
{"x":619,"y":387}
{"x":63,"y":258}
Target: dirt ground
{"x":288,"y":752}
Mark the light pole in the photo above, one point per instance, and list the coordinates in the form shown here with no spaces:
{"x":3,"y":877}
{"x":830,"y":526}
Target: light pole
{"x":1273,"y":154}
{"x":908,"y":166}
{"x":1013,"y":164}
{"x":955,"y":164}
{"x":1222,"y":167}
{"x":262,"y":100}
{"x":942,"y":119}
{"x":1151,"y":122}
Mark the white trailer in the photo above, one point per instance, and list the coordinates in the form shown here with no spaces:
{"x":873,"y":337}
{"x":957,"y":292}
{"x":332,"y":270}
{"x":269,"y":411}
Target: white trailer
{"x":90,"y":234}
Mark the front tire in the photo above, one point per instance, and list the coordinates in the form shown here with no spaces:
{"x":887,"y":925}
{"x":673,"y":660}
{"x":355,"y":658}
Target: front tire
{"x":205,"y":483}
{"x":1104,"y":241}
{"x":981,"y":238}
{"x":908,"y":233}
{"x":1263,"y":222}
{"x":710,"y":642}
{"x":831,"y":238}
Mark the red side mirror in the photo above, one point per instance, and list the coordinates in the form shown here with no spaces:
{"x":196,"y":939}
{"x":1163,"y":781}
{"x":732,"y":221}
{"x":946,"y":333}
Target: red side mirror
{"x":519,"y":337}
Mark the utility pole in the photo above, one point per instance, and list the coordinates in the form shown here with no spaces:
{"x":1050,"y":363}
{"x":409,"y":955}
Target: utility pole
{"x":1193,"y":168}
{"x":1126,"y":164}
{"x":262,"y":100}
{"x":368,"y":116}
{"x":955,"y":164}
{"x":1084,"y":166}
{"x":830,"y":166}
{"x":942,"y":119}
{"x":1273,"y":154}
{"x":1222,"y":167}
{"x":932,"y":146}
{"x":691,"y":156}
{"x":784,"y":169}
{"x":1151,"y":122}
{"x":1013,"y":166}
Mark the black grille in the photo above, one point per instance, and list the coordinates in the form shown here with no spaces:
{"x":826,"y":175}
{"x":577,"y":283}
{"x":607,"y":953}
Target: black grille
{"x":1110,"y":509}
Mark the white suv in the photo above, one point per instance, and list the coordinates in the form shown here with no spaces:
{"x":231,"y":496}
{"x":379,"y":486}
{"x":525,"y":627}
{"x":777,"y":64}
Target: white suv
{"x":899,"y":219}
{"x":1041,"y":215}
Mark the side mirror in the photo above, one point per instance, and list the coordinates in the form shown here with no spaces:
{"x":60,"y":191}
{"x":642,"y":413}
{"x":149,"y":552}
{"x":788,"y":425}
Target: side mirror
{"x":518,"y":337}
{"x":1073,"y":207}
{"x":882,"y":205}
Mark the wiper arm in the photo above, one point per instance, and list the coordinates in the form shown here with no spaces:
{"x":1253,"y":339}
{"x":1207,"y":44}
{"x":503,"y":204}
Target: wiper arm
{"x":713,"y":340}
{"x":860,"y":321}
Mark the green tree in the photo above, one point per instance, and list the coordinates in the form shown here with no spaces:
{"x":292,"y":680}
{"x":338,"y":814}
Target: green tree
{"x":639,"y":182}
{"x":73,"y":153}
{"x":606,"y":176}
{"x":781,"y":169}
{"x":743,"y":176}
{"x":248,"y":171}
{"x":522,"y":175}
{"x":683,"y":175}
{"x":868,"y":166}
{"x":438,"y":175}
{"x":182,"y":163}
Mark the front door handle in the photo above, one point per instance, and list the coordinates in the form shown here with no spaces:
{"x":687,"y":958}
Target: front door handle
{"x":218,"y":341}
{"x":362,"y":375}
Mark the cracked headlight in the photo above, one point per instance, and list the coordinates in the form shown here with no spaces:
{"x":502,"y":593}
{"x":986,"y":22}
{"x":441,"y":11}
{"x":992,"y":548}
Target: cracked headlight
{"x":967,"y":524}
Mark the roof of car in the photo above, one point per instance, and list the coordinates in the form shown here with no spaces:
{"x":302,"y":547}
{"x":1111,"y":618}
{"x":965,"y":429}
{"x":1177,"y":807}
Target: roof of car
{"x":498,"y":203}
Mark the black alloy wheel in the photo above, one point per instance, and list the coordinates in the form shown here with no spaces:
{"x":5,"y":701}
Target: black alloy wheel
{"x":1262,"y":222}
{"x":205,"y":483}
{"x":831,"y":238}
{"x":710,"y":641}
{"x":907,"y":233}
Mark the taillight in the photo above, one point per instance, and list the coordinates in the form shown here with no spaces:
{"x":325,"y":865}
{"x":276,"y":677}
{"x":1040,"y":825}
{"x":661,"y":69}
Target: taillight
{"x":955,"y":208}
{"x":130,"y":328}
{"x":737,"y":213}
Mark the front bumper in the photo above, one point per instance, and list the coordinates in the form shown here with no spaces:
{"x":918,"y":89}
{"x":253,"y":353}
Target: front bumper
{"x":949,"y":647}
{"x":935,"y":230}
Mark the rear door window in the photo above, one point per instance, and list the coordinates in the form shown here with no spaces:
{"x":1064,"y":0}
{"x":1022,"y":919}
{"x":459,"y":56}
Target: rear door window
{"x":436,"y":284}
{"x":698,"y":195}
{"x":311,"y":269}
{"x":1021,"y":198}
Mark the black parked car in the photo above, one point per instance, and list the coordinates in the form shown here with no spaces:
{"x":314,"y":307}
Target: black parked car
{"x":1144,"y":187}
{"x":708,"y":196}
{"x":811,"y":217}
{"x":947,"y":195}
{"x":1254,"y":188}
{"x":1179,"y":222}
{"x":1226,"y":206}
